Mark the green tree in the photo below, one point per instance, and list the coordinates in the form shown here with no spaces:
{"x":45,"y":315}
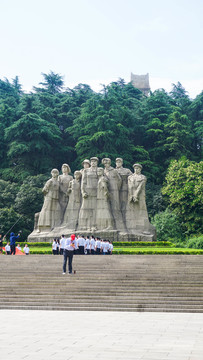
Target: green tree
{"x":17,"y":85}
{"x":168,"y":226}
{"x":8,"y":218}
{"x":105,"y":126}
{"x":53,"y":82}
{"x":154,"y":114}
{"x":184,"y":193}
{"x":180,"y":96}
{"x":29,"y":199}
{"x":32,"y":143}
{"x":196,"y":115}
{"x":8,"y":192}
{"x":179,"y":136}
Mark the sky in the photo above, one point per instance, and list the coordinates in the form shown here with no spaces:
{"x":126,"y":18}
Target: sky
{"x":96,"y":42}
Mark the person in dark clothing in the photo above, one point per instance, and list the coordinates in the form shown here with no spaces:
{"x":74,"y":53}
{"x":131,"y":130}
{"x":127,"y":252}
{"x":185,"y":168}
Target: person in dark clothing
{"x":68,"y":253}
{"x":13,"y":239}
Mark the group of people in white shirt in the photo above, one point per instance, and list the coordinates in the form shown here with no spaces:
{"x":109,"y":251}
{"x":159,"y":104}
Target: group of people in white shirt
{"x":26,"y":249}
{"x":88,"y":245}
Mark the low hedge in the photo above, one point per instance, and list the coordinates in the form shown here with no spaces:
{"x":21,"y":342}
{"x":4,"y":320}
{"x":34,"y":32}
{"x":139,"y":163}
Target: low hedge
{"x":143,"y":243}
{"x":134,"y":251}
{"x":116,"y":243}
{"x":41,"y":251}
{"x":156,"y":251}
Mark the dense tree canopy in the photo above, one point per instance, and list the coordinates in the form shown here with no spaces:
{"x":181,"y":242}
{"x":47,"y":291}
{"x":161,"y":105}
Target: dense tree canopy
{"x":184,"y":190}
{"x":52,"y":125}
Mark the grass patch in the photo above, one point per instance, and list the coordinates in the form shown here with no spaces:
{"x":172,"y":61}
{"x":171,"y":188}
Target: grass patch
{"x":156,"y":251}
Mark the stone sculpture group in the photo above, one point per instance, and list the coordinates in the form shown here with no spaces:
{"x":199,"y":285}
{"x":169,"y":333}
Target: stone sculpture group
{"x":103,"y":201}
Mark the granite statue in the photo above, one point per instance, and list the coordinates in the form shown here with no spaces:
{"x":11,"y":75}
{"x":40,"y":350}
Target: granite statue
{"x":105,"y":201}
{"x":72,"y":211}
{"x":49,"y":216}
{"x":137,"y":219}
{"x":87,"y":214}
{"x":104,"y":219}
{"x":64,"y":181}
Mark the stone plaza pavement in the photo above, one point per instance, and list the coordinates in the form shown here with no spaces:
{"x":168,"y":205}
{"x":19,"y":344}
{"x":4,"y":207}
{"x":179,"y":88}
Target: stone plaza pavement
{"x":78,"y":335}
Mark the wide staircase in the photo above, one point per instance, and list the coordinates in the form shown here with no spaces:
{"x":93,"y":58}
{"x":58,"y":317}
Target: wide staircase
{"x":107,"y":283}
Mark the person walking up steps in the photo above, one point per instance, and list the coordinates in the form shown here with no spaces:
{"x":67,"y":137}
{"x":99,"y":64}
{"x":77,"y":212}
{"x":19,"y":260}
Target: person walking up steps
{"x":68,"y":253}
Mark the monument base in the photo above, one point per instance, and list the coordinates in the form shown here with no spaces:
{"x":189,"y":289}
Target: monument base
{"x":112,"y":235}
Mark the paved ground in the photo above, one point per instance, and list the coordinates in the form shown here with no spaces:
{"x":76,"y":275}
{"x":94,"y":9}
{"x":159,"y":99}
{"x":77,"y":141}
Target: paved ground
{"x":44,"y":335}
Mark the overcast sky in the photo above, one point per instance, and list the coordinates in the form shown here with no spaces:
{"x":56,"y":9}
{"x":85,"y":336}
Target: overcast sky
{"x":98,"y":41}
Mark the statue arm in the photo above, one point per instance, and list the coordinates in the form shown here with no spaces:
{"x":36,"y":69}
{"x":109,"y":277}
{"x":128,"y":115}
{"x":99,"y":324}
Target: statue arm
{"x":84,"y":184}
{"x":119,"y":179}
{"x":70,"y":188}
{"x":46,"y":187}
{"x":105,"y":187}
{"x":139,"y":189}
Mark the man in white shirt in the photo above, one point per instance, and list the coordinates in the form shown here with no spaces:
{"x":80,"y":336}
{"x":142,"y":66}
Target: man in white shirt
{"x":76,"y":250}
{"x":105,"y":247}
{"x":62,"y":244}
{"x":110,"y":248}
{"x":68,"y":253}
{"x":98,"y":245}
{"x":92,"y":245}
{"x":26,"y":250}
{"x":81,"y":244}
{"x":87,"y":245}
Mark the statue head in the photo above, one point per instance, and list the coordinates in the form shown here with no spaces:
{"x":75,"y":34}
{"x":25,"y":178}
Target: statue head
{"x":137,"y":168}
{"x":54,"y":173}
{"x":77,"y":175}
{"x":65,"y":169}
{"x":119,"y":162}
{"x":94,"y":161}
{"x":86,"y":164}
{"x":106,"y":162}
{"x":100,"y":171}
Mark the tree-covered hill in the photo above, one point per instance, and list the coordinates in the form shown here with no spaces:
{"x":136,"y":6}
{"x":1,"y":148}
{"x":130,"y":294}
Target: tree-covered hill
{"x":52,"y":125}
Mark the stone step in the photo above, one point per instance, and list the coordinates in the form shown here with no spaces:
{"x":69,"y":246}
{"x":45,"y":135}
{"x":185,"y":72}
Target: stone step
{"x":116,"y":283}
{"x":102,"y":302}
{"x":89,"y":303}
{"x":126,"y":297}
{"x":95,"y":308}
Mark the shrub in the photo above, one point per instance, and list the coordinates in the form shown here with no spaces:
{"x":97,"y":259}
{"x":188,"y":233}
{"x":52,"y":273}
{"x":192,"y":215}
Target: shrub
{"x":195,"y":242}
{"x":167,"y":226}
